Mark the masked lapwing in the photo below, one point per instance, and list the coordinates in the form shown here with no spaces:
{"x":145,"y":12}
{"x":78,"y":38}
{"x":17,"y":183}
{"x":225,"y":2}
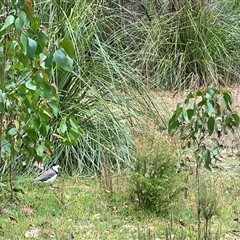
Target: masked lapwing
{"x":49,"y":176}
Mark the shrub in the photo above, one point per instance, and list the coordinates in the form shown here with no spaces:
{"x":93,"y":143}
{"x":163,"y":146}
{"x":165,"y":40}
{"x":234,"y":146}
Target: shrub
{"x":155,"y":185}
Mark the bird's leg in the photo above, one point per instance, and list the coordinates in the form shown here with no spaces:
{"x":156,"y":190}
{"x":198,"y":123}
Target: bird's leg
{"x":51,"y":185}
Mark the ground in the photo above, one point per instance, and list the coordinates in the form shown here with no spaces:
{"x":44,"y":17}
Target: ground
{"x":79,"y":208}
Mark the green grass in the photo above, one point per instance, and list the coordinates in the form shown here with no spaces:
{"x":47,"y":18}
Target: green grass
{"x":77,"y":207}
{"x":81,"y":208}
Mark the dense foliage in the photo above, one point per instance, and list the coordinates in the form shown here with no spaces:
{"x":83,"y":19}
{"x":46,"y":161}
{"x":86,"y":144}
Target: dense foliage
{"x":29,"y":99}
{"x":204,"y":116}
{"x":155,"y":185}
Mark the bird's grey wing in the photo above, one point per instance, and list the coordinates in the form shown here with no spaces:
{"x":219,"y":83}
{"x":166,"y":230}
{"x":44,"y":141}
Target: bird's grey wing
{"x":45,"y":176}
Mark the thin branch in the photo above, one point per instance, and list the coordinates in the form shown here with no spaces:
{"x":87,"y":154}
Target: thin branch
{"x":3,"y":80}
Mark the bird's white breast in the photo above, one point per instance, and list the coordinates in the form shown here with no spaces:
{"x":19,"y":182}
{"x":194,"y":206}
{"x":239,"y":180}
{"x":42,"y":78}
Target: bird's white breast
{"x":50,"y":180}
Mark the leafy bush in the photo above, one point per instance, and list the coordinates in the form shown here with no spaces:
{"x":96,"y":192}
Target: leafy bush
{"x":155,"y":184}
{"x":202,"y":116}
{"x":29,"y":100}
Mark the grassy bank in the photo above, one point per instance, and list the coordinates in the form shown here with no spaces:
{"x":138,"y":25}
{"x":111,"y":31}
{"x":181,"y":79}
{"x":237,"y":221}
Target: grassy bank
{"x":79,"y":208}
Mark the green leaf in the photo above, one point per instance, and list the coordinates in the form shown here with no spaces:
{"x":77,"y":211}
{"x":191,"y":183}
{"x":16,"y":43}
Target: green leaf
{"x":31,"y":48}
{"x":48,"y":65}
{"x":66,"y":142}
{"x":36,"y":123}
{"x":19,"y":23}
{"x":21,"y":91}
{"x":67,"y":45}
{"x":63,"y":126}
{"x":185,"y":115}
{"x":54,"y":107}
{"x":228,"y":97}
{"x":35,"y":23}
{"x":190,"y":113}
{"x":207,"y":159}
{"x":190,"y":95}
{"x":74,"y":122}
{"x":10,"y":85}
{"x":31,"y":133}
{"x":192,"y":121}
{"x":199,"y":124}
{"x":172,"y":124}
{"x":178,"y":111}
{"x":217,"y":109}
{"x":201,"y":103}
{"x":227,"y":100}
{"x":236,"y":119}
{"x":24,"y":42}
{"x":211,"y":92}
{"x":29,"y":85}
{"x":9,"y":21}
{"x":36,"y":97}
{"x":27,"y":103}
{"x":2,"y":97}
{"x":73,"y":135}
{"x":27,"y":141}
{"x":12,"y":132}
{"x":216,"y":152}
{"x":225,"y":103}
{"x":209,"y":108}
{"x":44,"y":117}
{"x":198,"y":93}
{"x":6,"y":148}
{"x":41,"y":40}
{"x":62,"y":60}
{"x":195,"y":107}
{"x":210,"y":124}
{"x":40,"y":150}
{"x":44,"y":130}
{"x":47,"y":91}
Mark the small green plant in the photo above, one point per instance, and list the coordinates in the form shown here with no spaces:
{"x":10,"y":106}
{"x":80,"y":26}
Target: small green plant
{"x":208,"y":117}
{"x":208,"y":203}
{"x":155,"y":184}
